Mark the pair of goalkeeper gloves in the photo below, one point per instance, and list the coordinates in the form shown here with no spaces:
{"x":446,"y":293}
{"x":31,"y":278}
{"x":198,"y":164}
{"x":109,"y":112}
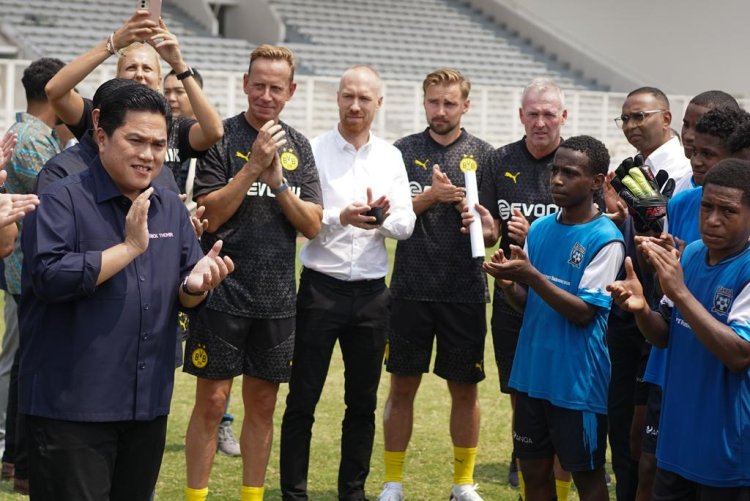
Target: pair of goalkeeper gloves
{"x":645,"y":195}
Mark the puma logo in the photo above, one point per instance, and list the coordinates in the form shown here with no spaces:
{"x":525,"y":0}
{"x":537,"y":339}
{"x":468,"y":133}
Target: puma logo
{"x":479,"y":365}
{"x":422,"y":164}
{"x":514,"y":177}
{"x":244,"y":157}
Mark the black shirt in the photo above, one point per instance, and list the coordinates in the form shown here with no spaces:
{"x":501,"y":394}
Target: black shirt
{"x":258,"y":237}
{"x":435,"y":263}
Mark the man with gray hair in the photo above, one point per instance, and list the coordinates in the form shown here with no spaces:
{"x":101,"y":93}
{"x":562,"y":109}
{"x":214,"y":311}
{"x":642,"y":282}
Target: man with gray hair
{"x":342,"y":294}
{"x":519,"y":195}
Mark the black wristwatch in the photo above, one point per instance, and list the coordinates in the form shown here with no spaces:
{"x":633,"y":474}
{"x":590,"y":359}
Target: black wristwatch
{"x":185,"y":74}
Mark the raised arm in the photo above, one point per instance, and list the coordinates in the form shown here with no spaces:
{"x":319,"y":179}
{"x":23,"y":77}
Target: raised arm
{"x":67,"y":103}
{"x":209,"y":128}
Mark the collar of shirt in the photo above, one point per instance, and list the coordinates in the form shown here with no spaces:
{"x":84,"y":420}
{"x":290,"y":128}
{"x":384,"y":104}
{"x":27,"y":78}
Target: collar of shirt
{"x":345,"y":145}
{"x":105,"y":188}
{"x":671,"y":158}
{"x":23,"y":117}
{"x":430,"y":139}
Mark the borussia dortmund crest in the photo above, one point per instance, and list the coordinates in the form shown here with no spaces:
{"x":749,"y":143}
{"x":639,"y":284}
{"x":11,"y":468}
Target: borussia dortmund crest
{"x":468,"y":164}
{"x":577,"y":254}
{"x":289,"y":160}
{"x":722,"y":301}
{"x":199,"y":357}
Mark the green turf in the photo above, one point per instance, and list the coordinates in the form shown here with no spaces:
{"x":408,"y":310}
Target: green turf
{"x":428,"y":471}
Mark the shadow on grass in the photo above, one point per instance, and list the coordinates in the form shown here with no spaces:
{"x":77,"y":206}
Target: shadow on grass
{"x":174,"y":447}
{"x":313,"y":495}
{"x":492,"y":473}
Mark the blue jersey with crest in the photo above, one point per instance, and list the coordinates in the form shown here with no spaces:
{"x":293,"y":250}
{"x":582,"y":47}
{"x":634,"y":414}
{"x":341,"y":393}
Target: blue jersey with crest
{"x":683,"y":212}
{"x":704,"y":432}
{"x":557,"y":360}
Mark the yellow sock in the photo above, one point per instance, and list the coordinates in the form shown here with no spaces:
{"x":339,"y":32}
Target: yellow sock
{"x":251,"y":493}
{"x":196,"y":494}
{"x":521,"y":485}
{"x":562,"y":488}
{"x":394,"y":465}
{"x":463,"y":465}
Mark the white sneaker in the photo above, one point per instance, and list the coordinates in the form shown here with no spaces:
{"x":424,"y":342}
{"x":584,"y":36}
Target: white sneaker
{"x":391,"y":492}
{"x":226,"y":443}
{"x":465,"y":493}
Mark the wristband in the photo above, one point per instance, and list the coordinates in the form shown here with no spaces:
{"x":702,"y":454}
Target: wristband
{"x":185,"y":74}
{"x":280,"y":188}
{"x":187,"y":291}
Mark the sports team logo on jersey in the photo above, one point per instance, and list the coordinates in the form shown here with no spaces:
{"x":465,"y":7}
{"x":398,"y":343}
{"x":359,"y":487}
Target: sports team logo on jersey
{"x":468,"y":164}
{"x":422,"y":164}
{"x":722,"y":300}
{"x":577,"y":254}
{"x":199,"y":356}
{"x":243,"y":156}
{"x":289,"y":160}
{"x":514,"y":177}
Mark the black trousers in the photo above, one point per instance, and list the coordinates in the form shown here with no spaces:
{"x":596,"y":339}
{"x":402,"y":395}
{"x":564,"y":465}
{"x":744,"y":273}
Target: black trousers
{"x":357,"y":315}
{"x":116,"y":461}
{"x":625,"y":345}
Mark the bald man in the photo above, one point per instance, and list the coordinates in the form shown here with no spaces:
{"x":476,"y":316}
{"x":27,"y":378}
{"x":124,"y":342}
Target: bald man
{"x":342,"y":295}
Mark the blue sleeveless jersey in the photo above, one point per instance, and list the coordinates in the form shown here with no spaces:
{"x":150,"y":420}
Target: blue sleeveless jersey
{"x":704,"y":432}
{"x":557,"y":360}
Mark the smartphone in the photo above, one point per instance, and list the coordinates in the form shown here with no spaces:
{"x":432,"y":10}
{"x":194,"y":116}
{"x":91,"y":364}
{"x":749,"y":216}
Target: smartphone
{"x":153,"y":7}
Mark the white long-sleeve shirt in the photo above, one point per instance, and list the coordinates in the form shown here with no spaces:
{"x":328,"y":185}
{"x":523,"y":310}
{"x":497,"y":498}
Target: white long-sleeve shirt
{"x":347,"y":252}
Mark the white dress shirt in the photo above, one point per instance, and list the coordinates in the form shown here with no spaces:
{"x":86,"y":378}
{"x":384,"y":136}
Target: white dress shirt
{"x":671,"y":158}
{"x":347,"y":252}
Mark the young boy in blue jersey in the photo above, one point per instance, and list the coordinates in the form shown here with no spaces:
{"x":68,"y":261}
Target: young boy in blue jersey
{"x":561,"y":369}
{"x":710,"y":146}
{"x":704,"y":320}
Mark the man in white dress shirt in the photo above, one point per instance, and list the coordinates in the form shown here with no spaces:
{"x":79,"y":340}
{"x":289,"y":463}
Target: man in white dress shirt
{"x":645,"y":122}
{"x":342,"y":294}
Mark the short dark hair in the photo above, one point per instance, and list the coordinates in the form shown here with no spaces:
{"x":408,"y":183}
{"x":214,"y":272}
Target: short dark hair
{"x":36,"y":76}
{"x":715,"y":99}
{"x":657,"y":93}
{"x":196,"y":75}
{"x":109,"y":87}
{"x":594,"y":149}
{"x":740,"y":138}
{"x":115,"y":105}
{"x":731,"y":173}
{"x":721,"y":123}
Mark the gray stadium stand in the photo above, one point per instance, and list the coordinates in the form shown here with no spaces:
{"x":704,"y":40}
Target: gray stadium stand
{"x":403,"y":39}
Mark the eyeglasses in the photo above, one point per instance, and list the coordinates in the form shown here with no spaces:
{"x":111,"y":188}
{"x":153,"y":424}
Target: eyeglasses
{"x":637,"y":117}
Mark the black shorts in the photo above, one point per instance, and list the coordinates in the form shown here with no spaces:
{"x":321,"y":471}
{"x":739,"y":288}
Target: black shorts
{"x":670,"y":486}
{"x":653,"y":413}
{"x":222,"y":346}
{"x":642,"y":387}
{"x":506,"y":327}
{"x":460,"y":329}
{"x":541,"y":430}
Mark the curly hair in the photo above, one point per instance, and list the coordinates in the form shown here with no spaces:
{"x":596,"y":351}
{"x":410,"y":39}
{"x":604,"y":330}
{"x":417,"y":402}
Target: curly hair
{"x":594,"y":149}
